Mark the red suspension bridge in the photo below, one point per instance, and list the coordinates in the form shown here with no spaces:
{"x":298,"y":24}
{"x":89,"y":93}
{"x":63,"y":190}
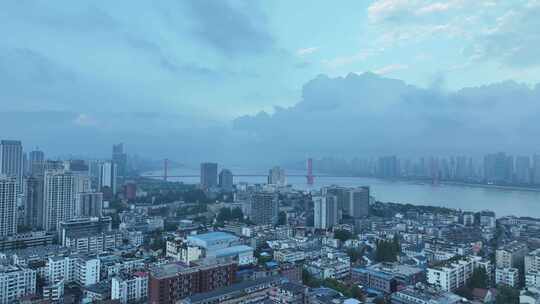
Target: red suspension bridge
{"x":310,"y":177}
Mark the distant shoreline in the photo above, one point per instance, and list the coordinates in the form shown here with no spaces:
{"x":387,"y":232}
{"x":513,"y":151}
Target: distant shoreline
{"x":515,"y":188}
{"x":456,"y":183}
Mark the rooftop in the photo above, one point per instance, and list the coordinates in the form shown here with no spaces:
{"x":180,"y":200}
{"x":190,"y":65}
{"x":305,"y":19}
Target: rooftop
{"x":232,"y":289}
{"x":213,"y":236}
{"x":233,"y":250}
{"x":429,"y":294}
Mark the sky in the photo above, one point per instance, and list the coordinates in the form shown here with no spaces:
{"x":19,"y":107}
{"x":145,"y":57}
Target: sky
{"x":191,"y":77}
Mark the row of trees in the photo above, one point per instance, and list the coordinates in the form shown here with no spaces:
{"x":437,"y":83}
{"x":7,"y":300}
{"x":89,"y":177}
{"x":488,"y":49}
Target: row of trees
{"x":388,"y":250}
{"x":348,"y":291}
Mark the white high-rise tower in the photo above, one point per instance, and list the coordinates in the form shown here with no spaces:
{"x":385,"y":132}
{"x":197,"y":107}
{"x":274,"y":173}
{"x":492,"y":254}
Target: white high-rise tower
{"x":8,"y":206}
{"x":59,"y":199}
{"x":11,"y":160}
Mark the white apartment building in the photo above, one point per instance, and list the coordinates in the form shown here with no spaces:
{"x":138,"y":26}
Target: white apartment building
{"x":8,"y":206}
{"x":59,"y":198}
{"x":129,"y":288}
{"x":510,"y":255}
{"x":507,"y":276}
{"x":330,"y":266}
{"x":452,"y":274}
{"x":326,"y":211}
{"x":82,"y":270}
{"x":180,"y":251}
{"x":16,"y":282}
{"x":532,"y":261}
{"x":289,"y":255}
{"x":532,"y":279}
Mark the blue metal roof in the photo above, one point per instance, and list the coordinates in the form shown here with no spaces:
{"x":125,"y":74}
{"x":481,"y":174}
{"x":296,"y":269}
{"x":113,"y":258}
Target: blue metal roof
{"x":213,"y":236}
{"x":234,"y":250}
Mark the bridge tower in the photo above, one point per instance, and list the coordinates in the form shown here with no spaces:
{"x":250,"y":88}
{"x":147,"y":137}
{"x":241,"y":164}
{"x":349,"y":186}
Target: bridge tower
{"x":310,"y":178}
{"x":165,"y":169}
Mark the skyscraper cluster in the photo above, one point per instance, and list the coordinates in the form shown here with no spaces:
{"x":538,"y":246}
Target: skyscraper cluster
{"x":352,"y":202}
{"x":492,"y":168}
{"x":39,"y":194}
{"x":211,"y":180}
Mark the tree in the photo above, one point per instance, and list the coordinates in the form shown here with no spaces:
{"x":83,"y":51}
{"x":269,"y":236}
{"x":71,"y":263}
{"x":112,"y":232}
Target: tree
{"x":282,"y":218}
{"x":387,"y":251}
{"x":237,"y":213}
{"x":396,"y":243}
{"x":343,"y":235}
{"x":357,"y":293}
{"x":309,"y":280}
{"x":479,"y":278}
{"x":355,"y":254}
{"x":507,"y":295}
{"x":379,"y":301}
{"x":224,"y":215}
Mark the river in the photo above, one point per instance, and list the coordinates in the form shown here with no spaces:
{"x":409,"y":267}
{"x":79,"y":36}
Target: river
{"x":473,"y":198}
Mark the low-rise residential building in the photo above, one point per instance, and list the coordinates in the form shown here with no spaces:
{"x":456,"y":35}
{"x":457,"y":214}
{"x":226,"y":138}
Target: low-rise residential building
{"x":130,"y":288}
{"x":424,"y":295}
{"x":510,"y":255}
{"x":289,"y":293}
{"x":532,"y":279}
{"x":16,"y":282}
{"x":83,"y":270}
{"x":247,"y":292}
{"x":331,"y":266}
{"x":289,"y":255}
{"x":452,"y":274}
{"x":507,"y":276}
{"x":532,"y":261}
{"x":385,"y":277}
{"x":54,"y":292}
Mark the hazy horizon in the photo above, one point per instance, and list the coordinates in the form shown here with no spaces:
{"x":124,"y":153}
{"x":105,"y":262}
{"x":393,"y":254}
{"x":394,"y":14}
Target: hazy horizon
{"x":271,"y":82}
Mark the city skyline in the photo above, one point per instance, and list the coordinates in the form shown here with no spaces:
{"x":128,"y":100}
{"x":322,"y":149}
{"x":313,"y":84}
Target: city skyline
{"x":276,"y":152}
{"x":436,"y":76}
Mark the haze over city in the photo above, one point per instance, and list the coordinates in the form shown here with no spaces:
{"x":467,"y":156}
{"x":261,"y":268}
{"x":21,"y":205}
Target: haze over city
{"x":195,"y":80}
{"x":270,"y":152}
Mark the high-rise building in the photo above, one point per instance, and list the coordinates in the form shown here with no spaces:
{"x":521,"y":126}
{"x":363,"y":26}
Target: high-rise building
{"x":11,"y":160}
{"x":264,"y":208}
{"x":8,"y":206}
{"x":120,"y":159}
{"x":461,"y":168}
{"x":343,"y":198}
{"x":209,"y":175}
{"x":536,"y":169}
{"x":498,"y":168}
{"x":226,"y":180}
{"x":523,"y":169}
{"x":276,"y":176}
{"x":326,"y":211}
{"x":36,"y":162}
{"x":130,"y":190}
{"x":89,"y":204}
{"x":58,"y":198}
{"x":359,"y":202}
{"x":34,"y":202}
{"x":388,"y":167}
{"x":107,"y":177}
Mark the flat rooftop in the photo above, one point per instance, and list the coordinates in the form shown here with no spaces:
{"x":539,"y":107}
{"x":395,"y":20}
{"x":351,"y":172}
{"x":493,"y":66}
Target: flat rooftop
{"x":213,"y":236}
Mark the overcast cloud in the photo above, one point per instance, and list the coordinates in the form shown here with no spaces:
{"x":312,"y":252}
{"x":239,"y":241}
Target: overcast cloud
{"x":193,"y":80}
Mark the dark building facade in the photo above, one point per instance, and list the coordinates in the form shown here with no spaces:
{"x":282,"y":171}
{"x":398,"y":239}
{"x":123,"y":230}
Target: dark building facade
{"x":172,"y":282}
{"x":209,"y":174}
